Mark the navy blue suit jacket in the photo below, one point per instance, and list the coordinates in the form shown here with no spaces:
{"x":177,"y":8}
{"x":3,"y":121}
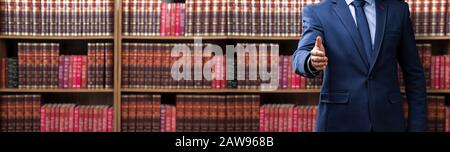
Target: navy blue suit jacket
{"x":356,"y":96}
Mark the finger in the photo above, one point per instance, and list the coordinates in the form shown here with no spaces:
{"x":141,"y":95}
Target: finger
{"x":318,"y":41}
{"x":317,"y":52}
{"x":319,"y":44}
{"x":319,"y":65}
{"x":319,"y":59}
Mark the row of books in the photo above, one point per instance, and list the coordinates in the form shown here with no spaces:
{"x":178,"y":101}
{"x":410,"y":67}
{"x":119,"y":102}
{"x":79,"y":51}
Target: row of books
{"x":440,"y":72}
{"x":436,"y":68}
{"x":57,"y":17}
{"x":150,"y":65}
{"x":430,"y":17}
{"x":76,"y":118}
{"x":153,"y":18}
{"x":291,"y":80}
{"x":141,"y":113}
{"x":40,"y":66}
{"x":9,"y":77}
{"x":92,"y":71}
{"x":192,"y":18}
{"x":206,"y":18}
{"x":20,"y":113}
{"x":437,"y":114}
{"x":168,"y":118}
{"x":266,"y":17}
{"x":287,"y":118}
{"x":217,"y":113}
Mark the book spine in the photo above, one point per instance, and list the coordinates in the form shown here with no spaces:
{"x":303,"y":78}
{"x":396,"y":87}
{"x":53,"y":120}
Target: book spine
{"x":110,"y":121}
{"x":124,"y":108}
{"x":109,"y":65}
{"x":43,"y":127}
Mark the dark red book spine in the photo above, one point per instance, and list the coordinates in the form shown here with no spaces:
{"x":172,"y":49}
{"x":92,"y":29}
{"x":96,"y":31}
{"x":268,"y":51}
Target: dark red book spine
{"x":110,"y":118}
{"x":434,"y":72}
{"x":163,"y":19}
{"x":124,"y":113}
{"x":441,"y":72}
{"x":109,"y":65}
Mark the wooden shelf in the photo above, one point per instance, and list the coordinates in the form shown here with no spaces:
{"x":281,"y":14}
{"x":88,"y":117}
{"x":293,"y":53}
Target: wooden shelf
{"x":433,"y":38}
{"x":220,"y":91}
{"x":59,"y":37}
{"x":288,"y":38}
{"x":173,"y":37}
{"x":182,"y":37}
{"x":242,"y":91}
{"x":281,"y":38}
{"x":57,"y":90}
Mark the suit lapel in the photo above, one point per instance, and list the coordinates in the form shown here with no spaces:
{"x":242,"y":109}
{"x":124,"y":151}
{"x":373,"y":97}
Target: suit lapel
{"x":381,"y":11}
{"x":347,"y":20}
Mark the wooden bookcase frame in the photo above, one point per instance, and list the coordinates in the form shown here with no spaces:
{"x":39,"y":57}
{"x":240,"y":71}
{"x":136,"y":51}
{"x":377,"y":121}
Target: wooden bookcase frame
{"x":118,"y":38}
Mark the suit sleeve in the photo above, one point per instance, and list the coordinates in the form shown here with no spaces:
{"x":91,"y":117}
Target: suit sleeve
{"x":311,"y":29}
{"x":414,"y":77}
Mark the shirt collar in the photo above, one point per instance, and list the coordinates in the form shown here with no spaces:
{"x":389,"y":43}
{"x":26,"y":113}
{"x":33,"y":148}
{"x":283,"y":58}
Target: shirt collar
{"x":369,"y":2}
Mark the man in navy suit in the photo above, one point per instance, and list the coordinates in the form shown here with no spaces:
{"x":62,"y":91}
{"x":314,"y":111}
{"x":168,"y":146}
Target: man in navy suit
{"x":357,"y":44}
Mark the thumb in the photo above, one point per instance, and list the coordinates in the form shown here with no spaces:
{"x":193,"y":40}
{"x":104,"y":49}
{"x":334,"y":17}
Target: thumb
{"x":319,"y":44}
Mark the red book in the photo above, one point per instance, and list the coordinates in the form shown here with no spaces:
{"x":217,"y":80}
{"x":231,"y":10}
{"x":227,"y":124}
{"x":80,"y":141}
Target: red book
{"x":276,"y":116}
{"x":447,"y":119}
{"x":92,"y":119}
{"x":109,"y":65}
{"x":49,"y":118}
{"x":76,"y":119}
{"x":305,"y":114}
{"x":87,"y":119}
{"x":66,"y":72}
{"x":290,"y":122}
{"x":182,"y":19}
{"x":442,"y":72}
{"x":177,"y":19}
{"x":84,"y":65}
{"x":61,"y":72}
{"x":3,"y":73}
{"x":163,"y":19}
{"x":71,"y":71}
{"x":434,"y":78}
{"x":446,"y":75}
{"x":79,"y":71}
{"x":295,"y":121}
{"x":311,"y":118}
{"x":43,"y":118}
{"x":171,"y":15}
{"x":110,"y":122}
{"x":95,"y":116}
{"x":313,"y":122}
{"x":174,"y":120}
{"x":70,"y":114}
{"x":271,"y":118}
{"x":52,"y":115}
{"x":289,"y":72}
{"x":81,"y":121}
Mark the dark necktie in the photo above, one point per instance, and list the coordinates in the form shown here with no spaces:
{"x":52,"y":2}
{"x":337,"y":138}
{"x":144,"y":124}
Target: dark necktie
{"x":363,"y":27}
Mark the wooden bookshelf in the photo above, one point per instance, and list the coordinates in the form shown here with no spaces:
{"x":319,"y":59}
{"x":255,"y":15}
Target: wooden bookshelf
{"x":280,"y":38}
{"x":56,"y":90}
{"x":279,"y":91}
{"x":174,"y":37}
{"x":58,"y":37}
{"x":220,"y":91}
{"x":118,"y":38}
